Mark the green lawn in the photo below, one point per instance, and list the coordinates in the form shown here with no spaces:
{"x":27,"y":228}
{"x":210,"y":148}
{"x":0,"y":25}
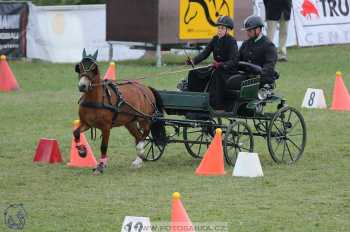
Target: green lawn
{"x":313,"y":195}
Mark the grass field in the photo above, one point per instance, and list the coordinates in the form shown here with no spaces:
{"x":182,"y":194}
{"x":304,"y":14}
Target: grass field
{"x":313,"y":195}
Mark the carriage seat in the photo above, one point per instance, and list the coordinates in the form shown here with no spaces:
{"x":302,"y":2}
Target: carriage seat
{"x":230,"y":90}
{"x":249,"y":68}
{"x":246,"y":70}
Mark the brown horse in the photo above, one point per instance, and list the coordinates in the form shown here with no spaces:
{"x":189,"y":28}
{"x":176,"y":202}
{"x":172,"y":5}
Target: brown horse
{"x":105,"y":105}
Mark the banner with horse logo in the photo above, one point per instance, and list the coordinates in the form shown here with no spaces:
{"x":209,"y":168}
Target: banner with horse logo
{"x":197,"y":18}
{"x":321,"y":22}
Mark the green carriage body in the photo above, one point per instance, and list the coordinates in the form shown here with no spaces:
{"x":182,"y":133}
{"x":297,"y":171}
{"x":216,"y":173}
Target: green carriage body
{"x":177,"y":102}
{"x":182,"y":102}
{"x":244,"y":110}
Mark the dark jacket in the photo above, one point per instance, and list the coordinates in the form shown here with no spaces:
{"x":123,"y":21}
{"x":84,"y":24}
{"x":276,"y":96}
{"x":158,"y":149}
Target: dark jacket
{"x":263,"y":53}
{"x":224,"y":50}
{"x":275,"y":8}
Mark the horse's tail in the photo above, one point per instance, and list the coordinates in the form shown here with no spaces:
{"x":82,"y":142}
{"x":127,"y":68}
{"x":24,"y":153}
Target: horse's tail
{"x":158,"y":125}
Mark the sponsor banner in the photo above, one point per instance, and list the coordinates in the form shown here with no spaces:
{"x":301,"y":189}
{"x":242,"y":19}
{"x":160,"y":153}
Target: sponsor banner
{"x":197,"y":18}
{"x":60,"y":33}
{"x":13,"y":23}
{"x":321,"y":22}
{"x":259,"y":9}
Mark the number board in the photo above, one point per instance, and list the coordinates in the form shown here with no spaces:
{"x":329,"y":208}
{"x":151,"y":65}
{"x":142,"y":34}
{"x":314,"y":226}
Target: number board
{"x":314,"y":98}
{"x":136,"y":224}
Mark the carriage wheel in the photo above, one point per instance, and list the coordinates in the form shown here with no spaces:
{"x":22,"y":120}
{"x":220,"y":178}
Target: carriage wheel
{"x":286,"y":135}
{"x":197,"y":139}
{"x":153,"y":151}
{"x":238,"y":138}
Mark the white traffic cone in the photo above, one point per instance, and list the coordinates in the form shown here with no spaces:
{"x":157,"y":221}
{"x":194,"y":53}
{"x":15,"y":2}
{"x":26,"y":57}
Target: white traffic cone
{"x":247,"y":165}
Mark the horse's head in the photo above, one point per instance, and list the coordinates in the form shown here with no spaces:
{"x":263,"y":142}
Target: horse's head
{"x":88,"y":71}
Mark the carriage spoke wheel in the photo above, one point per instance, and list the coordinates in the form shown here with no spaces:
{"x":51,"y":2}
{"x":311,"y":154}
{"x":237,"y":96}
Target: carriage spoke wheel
{"x":238,"y":138}
{"x":197,"y":140}
{"x":153,"y":151}
{"x":286,"y":135}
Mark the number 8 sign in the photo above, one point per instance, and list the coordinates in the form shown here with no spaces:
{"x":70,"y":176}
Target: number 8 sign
{"x":314,"y":98}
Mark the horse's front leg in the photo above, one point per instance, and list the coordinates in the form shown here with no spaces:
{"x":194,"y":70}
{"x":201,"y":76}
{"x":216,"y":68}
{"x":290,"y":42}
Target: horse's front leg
{"x":102,"y":164}
{"x":82,"y":151}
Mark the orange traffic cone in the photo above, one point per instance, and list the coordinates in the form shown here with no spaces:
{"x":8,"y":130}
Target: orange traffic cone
{"x":110,"y":74}
{"x":8,"y":81}
{"x":180,"y":221}
{"x":341,"y":98}
{"x":212,"y":163}
{"x":75,"y":160}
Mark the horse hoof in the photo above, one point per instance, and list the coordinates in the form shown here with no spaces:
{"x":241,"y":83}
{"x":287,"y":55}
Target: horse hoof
{"x":99,"y":169}
{"x":136,"y":164}
{"x":96,"y":172}
{"x":82,"y":151}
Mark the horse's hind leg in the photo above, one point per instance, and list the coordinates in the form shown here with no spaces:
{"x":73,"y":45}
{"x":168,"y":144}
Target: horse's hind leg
{"x":76,"y":133}
{"x":133,"y":129}
{"x":144,"y":128}
{"x":102,"y":164}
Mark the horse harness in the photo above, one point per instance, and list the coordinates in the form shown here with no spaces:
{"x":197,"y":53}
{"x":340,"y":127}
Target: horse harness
{"x":117,"y":107}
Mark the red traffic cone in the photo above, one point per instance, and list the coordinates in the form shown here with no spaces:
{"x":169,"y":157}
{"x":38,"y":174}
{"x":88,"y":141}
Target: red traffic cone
{"x":111,"y":73}
{"x":48,"y":151}
{"x":8,"y":81}
{"x":75,"y":160}
{"x":180,"y":221}
{"x":212,"y":163}
{"x":341,"y":98}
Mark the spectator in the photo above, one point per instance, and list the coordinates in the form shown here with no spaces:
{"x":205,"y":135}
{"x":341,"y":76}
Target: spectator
{"x":278,"y":12}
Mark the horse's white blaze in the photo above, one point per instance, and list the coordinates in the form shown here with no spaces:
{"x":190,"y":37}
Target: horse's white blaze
{"x":84,"y":81}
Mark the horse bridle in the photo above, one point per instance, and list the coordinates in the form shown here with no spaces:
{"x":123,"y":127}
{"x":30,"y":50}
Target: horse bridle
{"x":86,"y":70}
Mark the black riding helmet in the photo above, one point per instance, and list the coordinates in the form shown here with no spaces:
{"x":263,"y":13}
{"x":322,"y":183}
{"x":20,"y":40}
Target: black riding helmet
{"x":252,"y":22}
{"x":225,"y":21}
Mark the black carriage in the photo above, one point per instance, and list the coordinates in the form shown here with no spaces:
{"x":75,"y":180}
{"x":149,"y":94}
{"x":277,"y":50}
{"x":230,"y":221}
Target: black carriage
{"x":248,"y":113}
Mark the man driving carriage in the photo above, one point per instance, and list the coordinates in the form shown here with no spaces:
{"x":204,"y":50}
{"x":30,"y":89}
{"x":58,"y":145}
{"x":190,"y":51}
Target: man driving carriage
{"x":256,"y":50}
{"x":225,"y":53}
{"x":259,"y":50}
